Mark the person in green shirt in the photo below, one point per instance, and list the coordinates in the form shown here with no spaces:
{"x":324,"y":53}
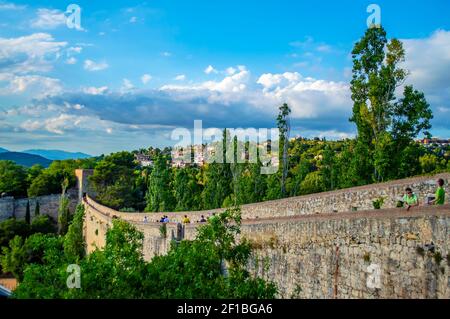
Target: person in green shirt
{"x":440,"y":193}
{"x":410,"y":199}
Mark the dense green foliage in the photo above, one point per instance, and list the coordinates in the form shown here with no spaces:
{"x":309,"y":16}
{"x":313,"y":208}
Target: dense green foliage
{"x":12,"y":178}
{"x":13,"y":234}
{"x":191,"y":269}
{"x":74,"y":245}
{"x":115,"y":180}
{"x":19,"y":181}
{"x":386,"y":126}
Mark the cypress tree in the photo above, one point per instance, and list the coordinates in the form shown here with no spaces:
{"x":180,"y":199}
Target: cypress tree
{"x":37,"y":211}
{"x":27,"y":213}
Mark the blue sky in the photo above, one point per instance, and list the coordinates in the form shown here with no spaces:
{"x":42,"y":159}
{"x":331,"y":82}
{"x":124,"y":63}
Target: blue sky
{"x":139,"y":69}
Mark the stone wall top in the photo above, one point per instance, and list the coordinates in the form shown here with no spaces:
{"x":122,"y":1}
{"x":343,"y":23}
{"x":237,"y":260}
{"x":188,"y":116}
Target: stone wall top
{"x":338,"y":201}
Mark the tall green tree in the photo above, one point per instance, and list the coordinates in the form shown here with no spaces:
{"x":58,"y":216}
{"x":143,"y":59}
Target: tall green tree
{"x":159,"y":195}
{"x":186,"y":189}
{"x":74,"y":245}
{"x":37,"y":209}
{"x":283,"y":122}
{"x":376,"y":76}
{"x":27,"y":213}
{"x":114,"y":181}
{"x":64,"y":212}
{"x":218,"y":177}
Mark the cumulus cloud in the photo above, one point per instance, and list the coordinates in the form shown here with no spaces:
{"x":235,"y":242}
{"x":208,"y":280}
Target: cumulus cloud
{"x":95,"y":91}
{"x":146,"y":78}
{"x":93,"y":66}
{"x":71,"y":60}
{"x":31,"y":53}
{"x":48,"y":19}
{"x":210,"y":69}
{"x":428,"y":61}
{"x":133,"y":19}
{"x":180,"y":77}
{"x":39,"y":85}
{"x":234,"y":101}
{"x":74,"y":50}
{"x":230,"y":70}
{"x":11,"y":6}
{"x":127,"y":86}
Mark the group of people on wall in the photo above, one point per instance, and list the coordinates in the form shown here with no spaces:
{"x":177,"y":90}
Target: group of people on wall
{"x":185,"y":220}
{"x":410,"y":199}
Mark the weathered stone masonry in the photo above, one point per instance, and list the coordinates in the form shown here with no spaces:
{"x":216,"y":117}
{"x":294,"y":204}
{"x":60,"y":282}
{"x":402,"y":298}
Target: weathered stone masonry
{"x":321,"y":253}
{"x":48,"y":205}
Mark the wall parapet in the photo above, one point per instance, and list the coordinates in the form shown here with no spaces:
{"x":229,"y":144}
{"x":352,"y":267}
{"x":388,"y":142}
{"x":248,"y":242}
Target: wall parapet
{"x":338,"y":201}
{"x":48,"y":205}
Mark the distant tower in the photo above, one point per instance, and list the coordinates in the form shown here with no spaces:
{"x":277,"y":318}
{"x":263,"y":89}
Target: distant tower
{"x":83,"y":182}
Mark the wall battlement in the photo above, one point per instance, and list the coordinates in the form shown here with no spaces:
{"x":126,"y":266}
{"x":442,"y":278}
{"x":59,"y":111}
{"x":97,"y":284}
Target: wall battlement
{"x":325,"y":254}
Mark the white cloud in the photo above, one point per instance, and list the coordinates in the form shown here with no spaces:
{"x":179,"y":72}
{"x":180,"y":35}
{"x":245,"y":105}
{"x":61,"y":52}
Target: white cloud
{"x":74,"y":50}
{"x":230,"y":84}
{"x":48,"y":19}
{"x":31,"y":53}
{"x":146,"y":78}
{"x":230,"y":70}
{"x":71,"y":60}
{"x":133,"y":19}
{"x":180,"y":77}
{"x":127,"y":86}
{"x":39,"y":85}
{"x":210,"y":69}
{"x":58,"y":124}
{"x":166,"y":54}
{"x":95,"y":91}
{"x":308,"y":97}
{"x":90,"y":65}
{"x":428,"y":60}
{"x":11,"y":6}
{"x":323,"y":48}
{"x":430,"y":73}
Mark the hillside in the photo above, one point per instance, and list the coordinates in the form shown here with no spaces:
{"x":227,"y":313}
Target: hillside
{"x":25,"y":159}
{"x":3,"y":150}
{"x":57,"y":154}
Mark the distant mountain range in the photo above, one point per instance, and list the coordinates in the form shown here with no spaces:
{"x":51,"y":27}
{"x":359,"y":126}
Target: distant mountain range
{"x":43,"y":157}
{"x":25,"y":159}
{"x":57,"y":154}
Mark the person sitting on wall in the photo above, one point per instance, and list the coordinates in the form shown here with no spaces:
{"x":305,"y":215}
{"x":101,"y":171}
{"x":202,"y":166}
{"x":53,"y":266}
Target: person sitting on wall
{"x":410,"y":199}
{"x":439,"y":198}
{"x":166,"y":219}
{"x":162,"y":219}
{"x":145,"y":219}
{"x":202,"y":219}
{"x":186,"y":220}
